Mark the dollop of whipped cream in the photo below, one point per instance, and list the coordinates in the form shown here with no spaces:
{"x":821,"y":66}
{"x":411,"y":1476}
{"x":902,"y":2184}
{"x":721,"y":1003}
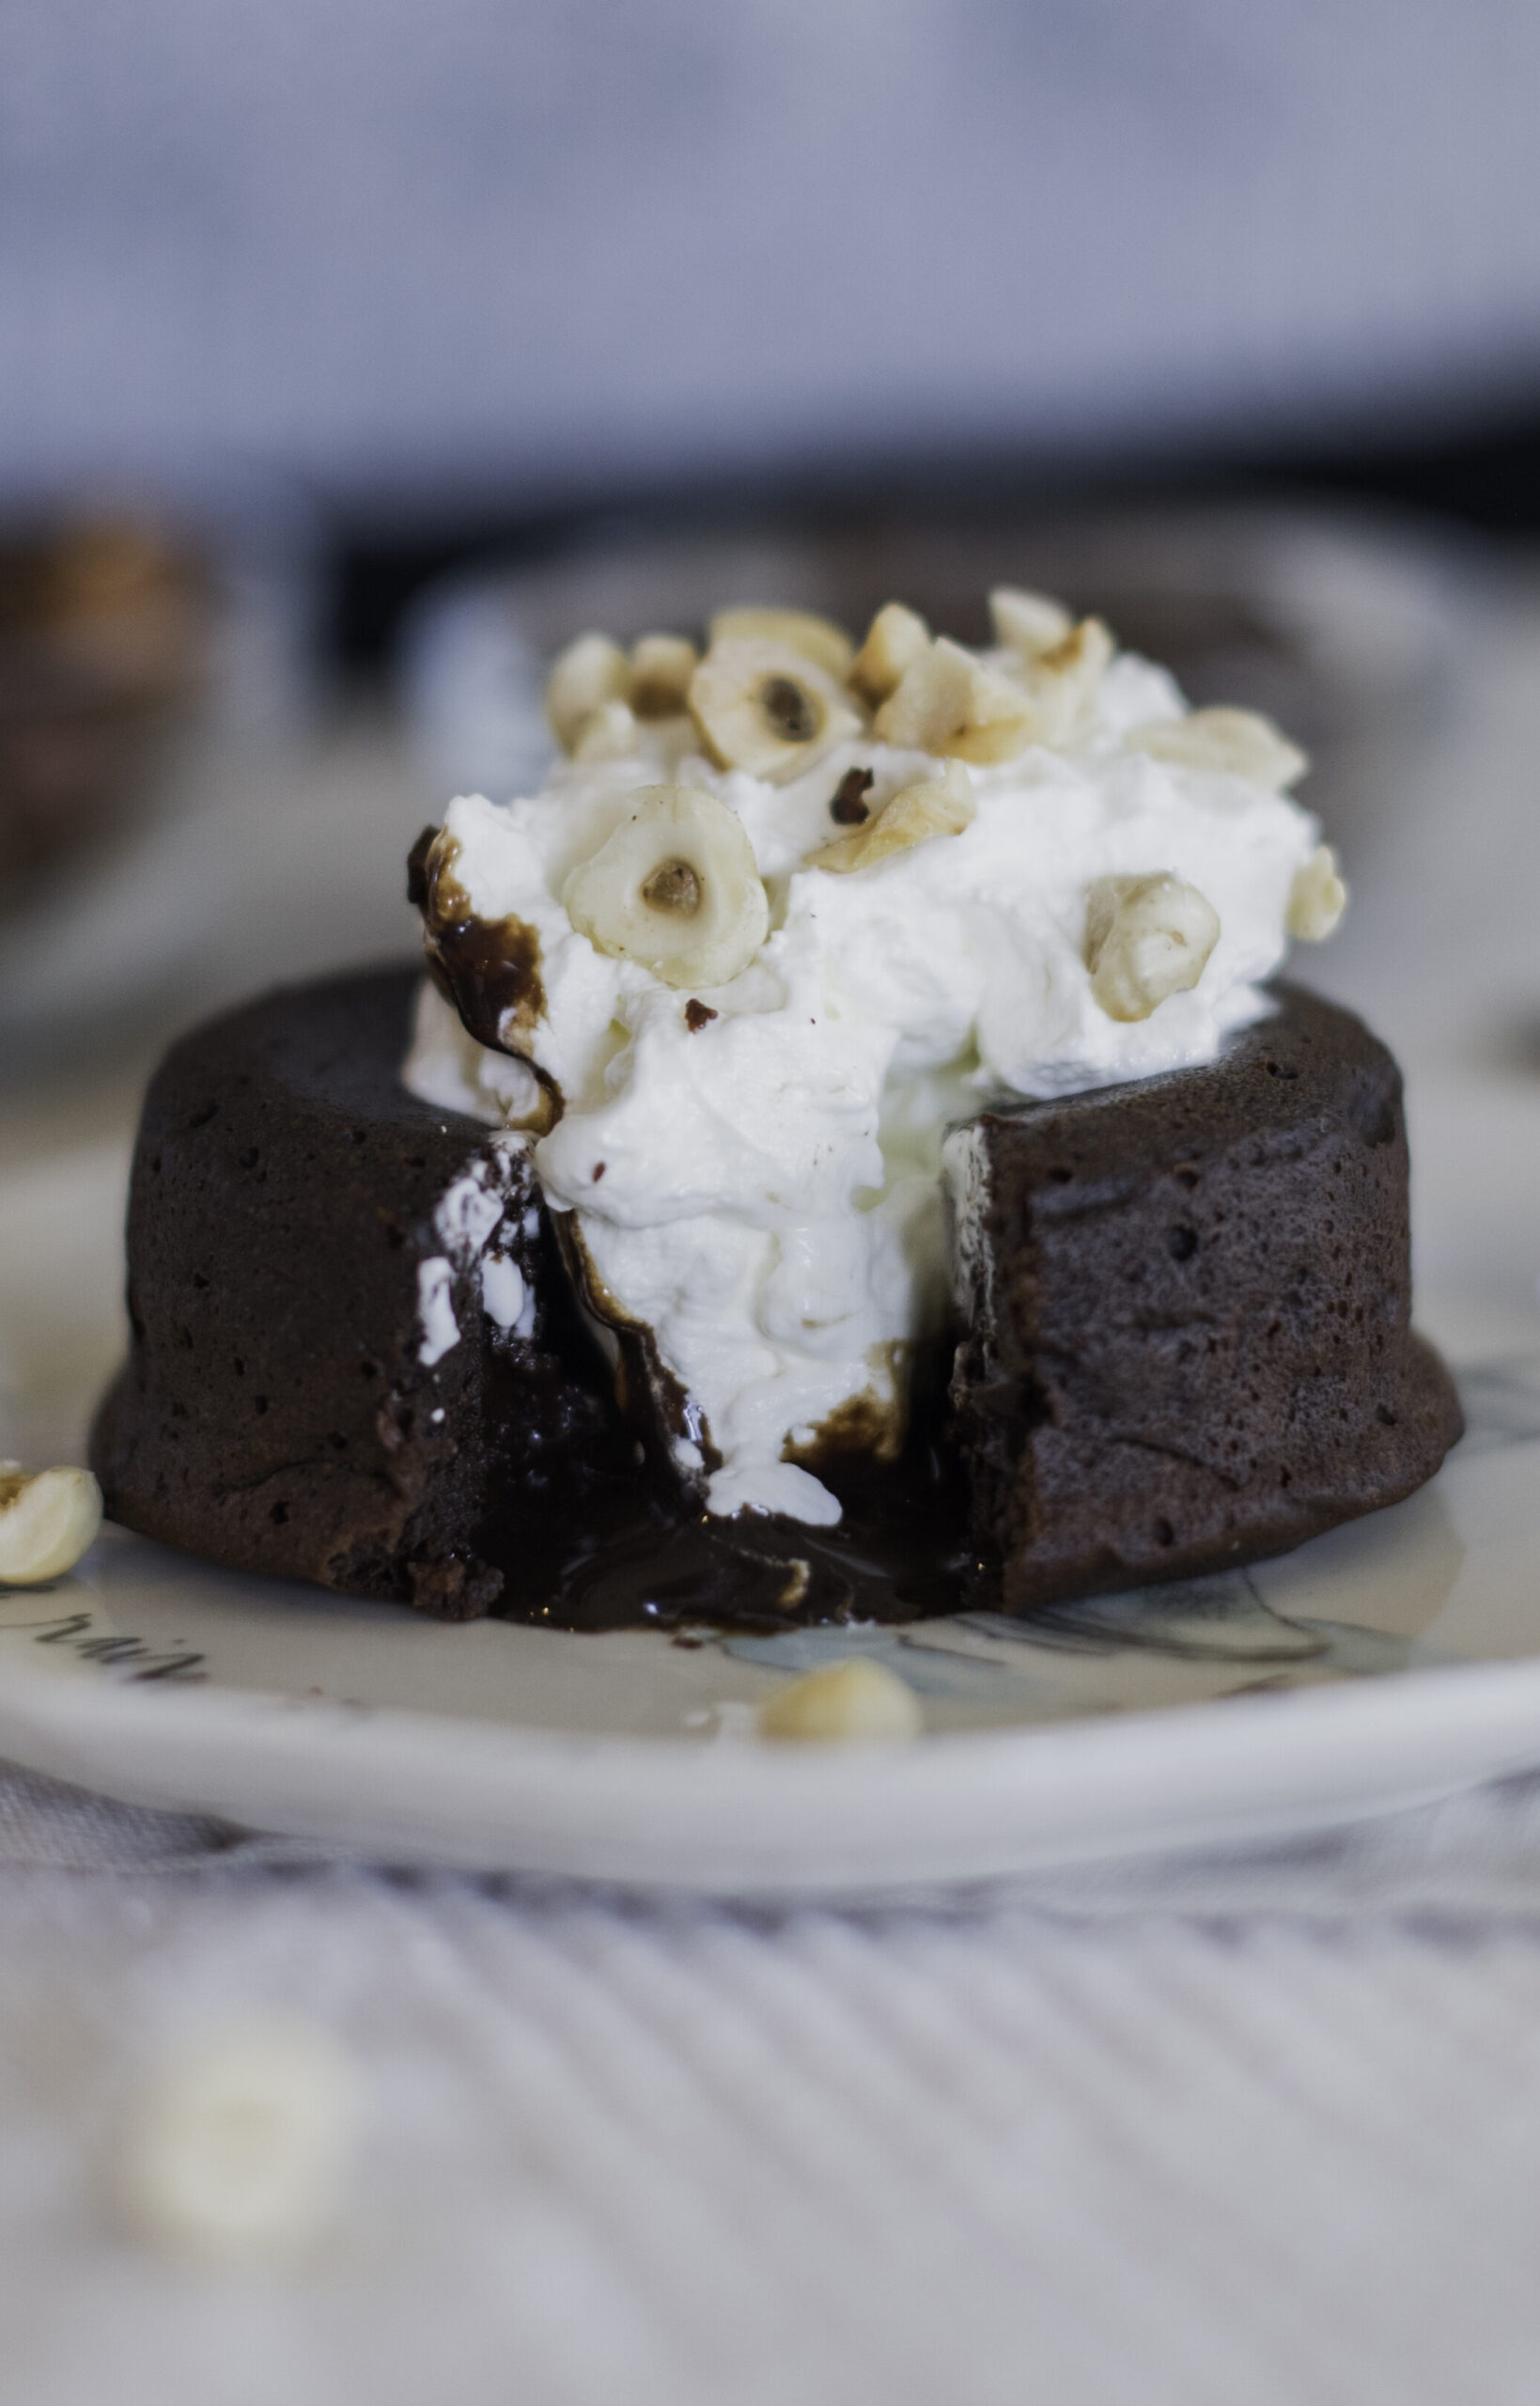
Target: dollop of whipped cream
{"x":754,"y":1168}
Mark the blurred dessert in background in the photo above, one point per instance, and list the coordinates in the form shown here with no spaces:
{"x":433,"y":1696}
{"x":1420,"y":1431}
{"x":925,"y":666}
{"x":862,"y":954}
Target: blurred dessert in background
{"x":104,"y":633}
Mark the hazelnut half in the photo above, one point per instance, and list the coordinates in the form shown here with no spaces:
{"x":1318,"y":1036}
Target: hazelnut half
{"x":675,"y":887}
{"x":800,"y":630}
{"x":590,"y":672}
{"x":768,"y":709}
{"x":1318,"y":898}
{"x":48,"y":1517}
{"x":1145,"y":937}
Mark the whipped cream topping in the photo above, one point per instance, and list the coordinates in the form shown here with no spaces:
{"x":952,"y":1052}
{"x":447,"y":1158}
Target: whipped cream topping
{"x":754,"y":1169}
{"x":468,"y":1216}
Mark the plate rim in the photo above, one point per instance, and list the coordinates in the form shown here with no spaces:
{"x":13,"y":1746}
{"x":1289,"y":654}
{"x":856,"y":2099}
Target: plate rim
{"x":747,"y":1820}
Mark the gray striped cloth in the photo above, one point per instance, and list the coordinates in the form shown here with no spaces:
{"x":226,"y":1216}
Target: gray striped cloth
{"x":1254,"y":2130}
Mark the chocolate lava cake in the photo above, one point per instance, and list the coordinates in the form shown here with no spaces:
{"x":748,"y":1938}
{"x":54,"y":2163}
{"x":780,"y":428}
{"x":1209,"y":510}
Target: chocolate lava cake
{"x":1189,"y":1311}
{"x":1185,"y":1342}
{"x":302,"y":1234}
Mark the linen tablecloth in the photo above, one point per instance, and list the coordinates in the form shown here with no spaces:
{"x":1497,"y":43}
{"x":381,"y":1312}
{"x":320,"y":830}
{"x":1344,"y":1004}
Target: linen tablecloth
{"x":1258,"y":2126}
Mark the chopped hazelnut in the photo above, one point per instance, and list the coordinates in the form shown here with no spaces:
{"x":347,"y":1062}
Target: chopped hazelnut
{"x":662,"y":668}
{"x":894,"y":637}
{"x":942,"y":805}
{"x":802,"y":632}
{"x":609,"y":733}
{"x":1228,"y":742}
{"x":1145,"y":937}
{"x":1318,"y":898}
{"x":1028,"y":623}
{"x":590,"y":672}
{"x":948,"y":701}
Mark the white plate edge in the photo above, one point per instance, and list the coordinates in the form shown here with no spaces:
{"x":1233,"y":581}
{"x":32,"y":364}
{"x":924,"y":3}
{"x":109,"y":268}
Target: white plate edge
{"x":746,"y":1820}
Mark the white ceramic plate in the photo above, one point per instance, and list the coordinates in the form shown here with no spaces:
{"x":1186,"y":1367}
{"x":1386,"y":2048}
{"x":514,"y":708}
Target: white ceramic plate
{"x":1390,"y":1661}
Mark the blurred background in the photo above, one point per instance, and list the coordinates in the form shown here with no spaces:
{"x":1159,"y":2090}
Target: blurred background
{"x":352,"y":356}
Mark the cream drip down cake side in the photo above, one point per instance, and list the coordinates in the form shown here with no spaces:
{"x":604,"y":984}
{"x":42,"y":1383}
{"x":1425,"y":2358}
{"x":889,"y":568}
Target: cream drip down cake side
{"x":847,"y":1156}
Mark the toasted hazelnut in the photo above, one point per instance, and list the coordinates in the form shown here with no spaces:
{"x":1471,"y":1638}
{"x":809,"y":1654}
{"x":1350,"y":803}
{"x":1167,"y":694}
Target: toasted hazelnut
{"x":948,"y":701}
{"x":850,"y":1703}
{"x":662,"y":668}
{"x":590,"y":672}
{"x":894,"y":637}
{"x":1318,"y":898}
{"x":609,"y":733}
{"x":676,"y":888}
{"x":1027,"y":623}
{"x":48,"y":1517}
{"x":942,"y":805}
{"x":1062,"y":681}
{"x":768,"y":709}
{"x":240,"y":2149}
{"x":800,"y":630}
{"x":1145,"y":937}
{"x":1228,"y":742}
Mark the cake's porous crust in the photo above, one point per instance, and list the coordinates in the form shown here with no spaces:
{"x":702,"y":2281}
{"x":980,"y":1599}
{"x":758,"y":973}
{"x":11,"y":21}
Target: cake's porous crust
{"x":276,"y":1412}
{"x":1191,"y":1305}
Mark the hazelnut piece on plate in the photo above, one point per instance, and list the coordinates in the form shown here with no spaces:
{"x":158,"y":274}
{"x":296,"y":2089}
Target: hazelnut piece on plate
{"x":48,"y":1517}
{"x":852,"y":1703}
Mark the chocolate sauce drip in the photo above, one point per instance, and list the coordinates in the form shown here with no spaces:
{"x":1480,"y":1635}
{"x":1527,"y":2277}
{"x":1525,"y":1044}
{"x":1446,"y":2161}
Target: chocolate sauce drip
{"x":849,"y":807}
{"x":486,"y":968}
